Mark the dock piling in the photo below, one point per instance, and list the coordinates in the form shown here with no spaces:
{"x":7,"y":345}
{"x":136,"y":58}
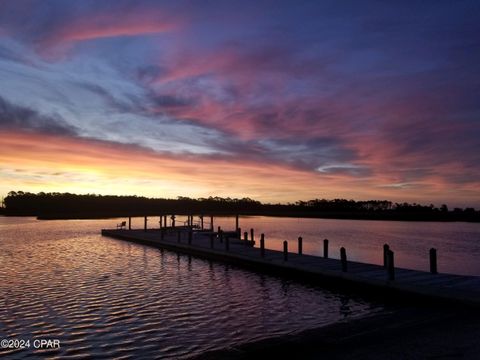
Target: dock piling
{"x":262,"y":245}
{"x":386,"y":248}
{"x":129,"y":223}
{"x":245,"y":238}
{"x":220,"y":235}
{"x":145,"y":223}
{"x":236,"y":223}
{"x":390,"y":265}
{"x":343,"y":258}
{"x":211,"y":223}
{"x":252,"y":235}
{"x":325,"y":248}
{"x":300,"y":245}
{"x":285,"y":250}
{"x":433,"y":261}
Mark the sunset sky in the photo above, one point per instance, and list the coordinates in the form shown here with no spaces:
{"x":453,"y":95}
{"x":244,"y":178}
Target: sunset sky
{"x":274,"y":100}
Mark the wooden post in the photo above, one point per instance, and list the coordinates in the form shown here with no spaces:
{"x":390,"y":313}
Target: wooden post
{"x":262,"y":245}
{"x":129,"y":223}
{"x":211,"y":241}
{"x":300,"y":245}
{"x":245,"y":238}
{"x":173,"y":220}
{"x":236,"y":222}
{"x":220,"y":235}
{"x":145,"y":223}
{"x":386,"y":249}
{"x":285,"y":250}
{"x":190,"y":237}
{"x":433,"y":261}
{"x":239,"y":233}
{"x":343,"y":258}
{"x":227,"y":243}
{"x":390,"y":265}
{"x":252,"y":235}
{"x":179,"y":235}
{"x":211,"y":223}
{"x":325,"y":248}
{"x":201,"y":222}
{"x":219,"y":229}
{"x":164,"y":220}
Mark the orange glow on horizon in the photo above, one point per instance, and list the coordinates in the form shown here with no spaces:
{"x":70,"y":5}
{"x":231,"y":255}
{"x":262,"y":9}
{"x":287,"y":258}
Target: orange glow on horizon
{"x":32,"y":162}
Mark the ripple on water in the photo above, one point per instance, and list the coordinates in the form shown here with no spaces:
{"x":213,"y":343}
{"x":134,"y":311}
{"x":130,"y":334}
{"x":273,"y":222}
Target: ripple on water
{"x":105,"y":298}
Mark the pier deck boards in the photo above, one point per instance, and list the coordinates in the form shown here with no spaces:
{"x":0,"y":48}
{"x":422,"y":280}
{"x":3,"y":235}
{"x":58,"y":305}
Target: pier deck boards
{"x":447,"y":287}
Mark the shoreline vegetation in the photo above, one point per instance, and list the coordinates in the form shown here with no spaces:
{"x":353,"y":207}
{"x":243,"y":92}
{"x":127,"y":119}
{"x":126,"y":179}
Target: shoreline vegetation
{"x":90,"y":206}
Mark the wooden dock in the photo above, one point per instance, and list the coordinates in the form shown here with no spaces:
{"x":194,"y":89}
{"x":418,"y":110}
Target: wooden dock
{"x":371,"y":278}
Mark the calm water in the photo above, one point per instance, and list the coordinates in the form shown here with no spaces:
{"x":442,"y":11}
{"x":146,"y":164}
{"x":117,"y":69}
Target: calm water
{"x":106,"y":298}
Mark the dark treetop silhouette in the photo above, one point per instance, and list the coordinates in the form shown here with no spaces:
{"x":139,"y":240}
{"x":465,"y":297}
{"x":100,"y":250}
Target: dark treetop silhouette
{"x":66,"y":205}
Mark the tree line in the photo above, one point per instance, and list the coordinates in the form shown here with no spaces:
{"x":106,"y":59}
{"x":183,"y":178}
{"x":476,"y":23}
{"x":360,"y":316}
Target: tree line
{"x":67,"y":205}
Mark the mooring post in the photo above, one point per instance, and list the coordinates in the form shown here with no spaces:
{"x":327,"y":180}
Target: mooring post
{"x":173,"y":221}
{"x":211,"y":241}
{"x":245,"y":238}
{"x":390,"y":265}
{"x":201,"y":221}
{"x":164,"y":220}
{"x":145,"y":223}
{"x":239,"y":233}
{"x":300,"y":245}
{"x":211,"y":223}
{"x":219,"y":229}
{"x":325,"y":248}
{"x":179,"y":235}
{"x":252,"y":235}
{"x":343,"y":258}
{"x":433,"y":261}
{"x":285,"y":250}
{"x":227,"y":243}
{"x":190,"y":237}
{"x":386,"y":249}
{"x":262,"y":245}
{"x":129,"y":223}
{"x":236,"y":223}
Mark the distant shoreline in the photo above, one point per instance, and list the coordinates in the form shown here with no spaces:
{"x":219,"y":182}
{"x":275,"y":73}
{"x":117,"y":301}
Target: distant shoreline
{"x":72,"y":206}
{"x":84,"y":216}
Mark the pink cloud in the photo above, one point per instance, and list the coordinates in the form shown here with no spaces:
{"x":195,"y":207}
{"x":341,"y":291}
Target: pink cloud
{"x":105,"y":24}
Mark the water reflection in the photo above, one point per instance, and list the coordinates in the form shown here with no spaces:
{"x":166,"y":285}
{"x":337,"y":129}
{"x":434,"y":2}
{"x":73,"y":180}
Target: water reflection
{"x":110,"y":298}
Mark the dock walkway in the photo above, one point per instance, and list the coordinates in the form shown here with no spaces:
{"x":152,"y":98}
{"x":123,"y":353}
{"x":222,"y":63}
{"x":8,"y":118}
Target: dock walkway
{"x":446,"y":287}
